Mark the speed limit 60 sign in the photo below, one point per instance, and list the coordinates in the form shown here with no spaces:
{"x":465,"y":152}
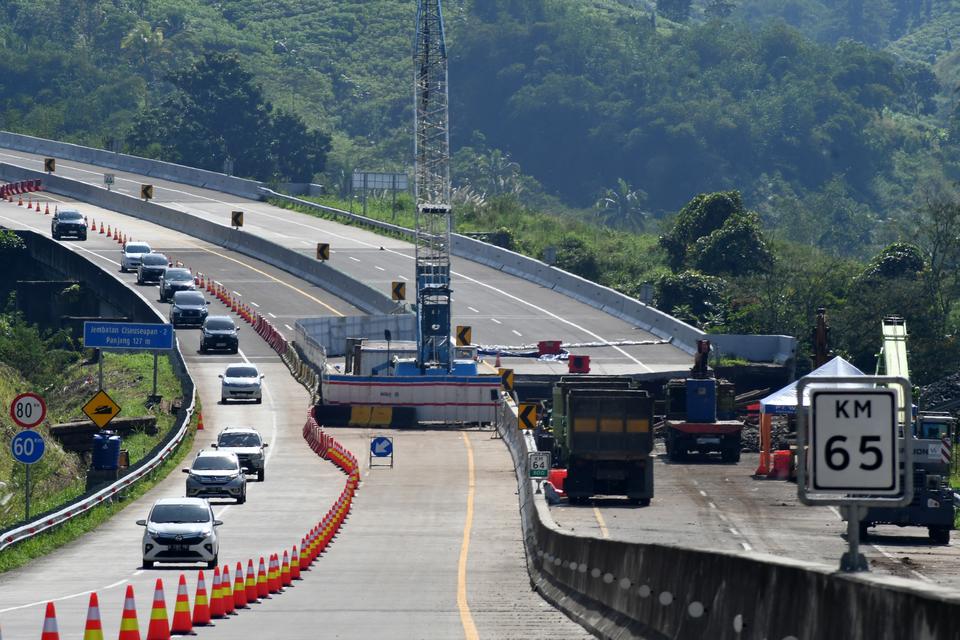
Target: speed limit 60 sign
{"x":853,"y":442}
{"x":28,"y":410}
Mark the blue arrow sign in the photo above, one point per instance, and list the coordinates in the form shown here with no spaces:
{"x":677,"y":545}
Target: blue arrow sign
{"x":127,"y":335}
{"x":381,"y":447}
{"x":27,"y":447}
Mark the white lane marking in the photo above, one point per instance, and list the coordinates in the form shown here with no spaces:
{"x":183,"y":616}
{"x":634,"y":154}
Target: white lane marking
{"x":734,"y":531}
{"x":237,"y":293}
{"x":62,"y":598}
{"x":495,"y":320}
{"x":271,"y":315}
{"x":120,"y":582}
{"x":255,"y":304}
{"x":712,"y":505}
{"x":703,"y":493}
{"x":403,"y":277}
{"x":411,"y":257}
{"x":472,"y":309}
{"x":517,"y":332}
{"x":309,"y":244}
{"x":138,"y":572}
{"x":289,"y":327}
{"x":746,"y":547}
{"x":73,"y":247}
{"x":355,"y":259}
{"x":380,"y":268}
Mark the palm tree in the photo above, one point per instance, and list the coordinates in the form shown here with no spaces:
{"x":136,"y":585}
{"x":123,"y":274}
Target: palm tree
{"x":621,"y":207}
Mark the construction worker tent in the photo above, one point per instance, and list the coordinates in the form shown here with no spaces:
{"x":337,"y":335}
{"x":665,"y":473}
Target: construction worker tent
{"x":784,"y":402}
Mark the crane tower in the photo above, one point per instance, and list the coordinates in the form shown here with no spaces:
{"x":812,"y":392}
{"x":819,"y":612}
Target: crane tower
{"x":432,"y":188}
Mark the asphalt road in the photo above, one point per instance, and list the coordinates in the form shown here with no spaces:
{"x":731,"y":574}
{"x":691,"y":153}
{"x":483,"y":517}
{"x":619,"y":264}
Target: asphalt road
{"x":502,"y":309}
{"x":709,"y":505}
{"x":394,"y":571}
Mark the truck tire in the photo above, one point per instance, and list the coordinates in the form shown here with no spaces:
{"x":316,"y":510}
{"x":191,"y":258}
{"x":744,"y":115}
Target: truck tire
{"x":940,"y":535}
{"x":640,"y":502}
{"x":730,"y":454}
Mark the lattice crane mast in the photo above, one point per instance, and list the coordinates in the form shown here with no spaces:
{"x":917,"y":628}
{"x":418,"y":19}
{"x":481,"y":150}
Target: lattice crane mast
{"x":432,"y":188}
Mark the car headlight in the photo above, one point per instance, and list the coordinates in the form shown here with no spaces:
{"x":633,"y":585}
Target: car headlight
{"x":153,"y":533}
{"x":205,"y":534}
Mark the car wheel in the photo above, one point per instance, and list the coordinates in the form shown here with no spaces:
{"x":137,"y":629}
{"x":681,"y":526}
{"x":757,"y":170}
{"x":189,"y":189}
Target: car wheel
{"x":235,"y":349}
{"x":260,"y":474}
{"x":939,"y":535}
{"x":242,"y":498}
{"x":148,"y":564}
{"x":139,"y":280}
{"x":213,"y":563}
{"x":203,"y":348}
{"x":258,"y":400}
{"x":223,"y":399}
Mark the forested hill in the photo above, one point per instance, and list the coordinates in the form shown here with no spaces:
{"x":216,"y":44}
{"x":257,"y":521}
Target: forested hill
{"x":564,"y":99}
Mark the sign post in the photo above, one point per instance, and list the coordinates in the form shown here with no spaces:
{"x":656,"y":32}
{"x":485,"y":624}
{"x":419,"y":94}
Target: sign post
{"x":381,"y":447}
{"x":538,"y":463}
{"x":28,"y":410}
{"x":854,"y":456}
{"x":27,"y":447}
{"x":128,"y":335}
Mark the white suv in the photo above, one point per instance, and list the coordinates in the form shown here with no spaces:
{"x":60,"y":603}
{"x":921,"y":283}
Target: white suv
{"x":180,"y":530}
{"x":241,"y":382}
{"x":132,"y":254}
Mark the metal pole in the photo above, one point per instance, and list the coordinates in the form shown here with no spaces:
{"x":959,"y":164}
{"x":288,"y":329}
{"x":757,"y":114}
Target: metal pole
{"x":100,"y":369}
{"x":853,"y":560}
{"x":27,"y":490}
{"x":154,"y":373}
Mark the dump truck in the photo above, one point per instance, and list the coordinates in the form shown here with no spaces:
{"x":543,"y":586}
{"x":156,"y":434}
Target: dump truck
{"x":603,"y":435}
{"x":700,"y":413}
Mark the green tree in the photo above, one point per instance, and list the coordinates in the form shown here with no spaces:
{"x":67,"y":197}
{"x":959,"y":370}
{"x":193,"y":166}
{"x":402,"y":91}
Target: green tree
{"x":676,"y":10}
{"x":622,"y":207}
{"x":575,"y":256}
{"x":691,"y":295}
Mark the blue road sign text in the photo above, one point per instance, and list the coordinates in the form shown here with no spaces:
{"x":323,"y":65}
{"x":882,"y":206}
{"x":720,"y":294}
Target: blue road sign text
{"x":127,"y":335}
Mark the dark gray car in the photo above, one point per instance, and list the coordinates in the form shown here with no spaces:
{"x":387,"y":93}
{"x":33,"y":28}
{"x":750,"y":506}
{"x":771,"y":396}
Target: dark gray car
{"x":173,"y":280}
{"x":220,"y":333}
{"x":68,"y":223}
{"x":152,"y":266}
{"x":189,"y":308}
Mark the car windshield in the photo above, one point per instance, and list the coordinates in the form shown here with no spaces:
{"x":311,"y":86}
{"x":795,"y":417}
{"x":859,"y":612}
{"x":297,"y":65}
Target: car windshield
{"x":154,"y":259}
{"x":137,"y":248}
{"x":70,"y":215}
{"x":167,"y":513}
{"x":219,"y":324}
{"x":214,"y":463}
{"x":241,"y":372}
{"x":178,"y":274}
{"x":188,"y":297}
{"x":239,"y":440}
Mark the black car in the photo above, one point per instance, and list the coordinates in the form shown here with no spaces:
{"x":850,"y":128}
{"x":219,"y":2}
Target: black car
{"x":188,"y":308}
{"x":220,"y":333}
{"x":152,"y":266}
{"x":69,"y":223}
{"x":173,"y":280}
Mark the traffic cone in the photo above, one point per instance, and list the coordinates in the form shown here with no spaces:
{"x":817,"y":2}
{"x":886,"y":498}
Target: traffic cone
{"x":20,"y":201}
{"x":250,"y":586}
{"x":285,"y":579}
{"x":101,"y":227}
{"x":29,"y":202}
{"x":226,"y":591}
{"x":93,"y":224}
{"x":159,"y":628}
{"x":201,"y":608}
{"x":50,"y":630}
{"x":239,"y":589}
{"x":129,"y":627}
{"x":295,"y":564}
{"x":497,"y":363}
{"x":216,"y":601}
{"x":273,"y":575}
{"x":200,"y":421}
{"x":263,"y":589}
{"x":93,"y":629}
{"x":108,"y":231}
{"x":46,"y":209}
{"x":182,"y":622}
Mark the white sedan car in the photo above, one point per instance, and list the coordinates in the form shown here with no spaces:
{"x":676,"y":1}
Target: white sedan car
{"x":241,"y":382}
{"x":132,"y":253}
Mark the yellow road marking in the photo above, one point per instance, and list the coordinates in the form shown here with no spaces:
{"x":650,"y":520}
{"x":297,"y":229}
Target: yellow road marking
{"x":466,"y":619}
{"x":244,"y":264}
{"x":601,"y":522}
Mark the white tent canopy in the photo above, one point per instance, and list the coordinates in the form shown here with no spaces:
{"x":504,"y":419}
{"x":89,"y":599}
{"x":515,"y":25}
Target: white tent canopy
{"x":784,"y":401}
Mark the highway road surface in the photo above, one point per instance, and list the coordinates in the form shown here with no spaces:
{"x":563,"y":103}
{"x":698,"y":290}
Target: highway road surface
{"x":502,"y":309}
{"x":393,"y":572}
{"x":709,"y":505}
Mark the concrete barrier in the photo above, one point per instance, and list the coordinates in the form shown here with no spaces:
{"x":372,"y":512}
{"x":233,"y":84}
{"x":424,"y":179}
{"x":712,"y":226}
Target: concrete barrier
{"x":655,"y":591}
{"x":134,"y":164}
{"x":360,"y":295}
{"x":132,"y":304}
{"x":331,"y":333}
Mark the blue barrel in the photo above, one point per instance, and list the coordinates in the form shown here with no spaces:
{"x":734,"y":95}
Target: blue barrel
{"x":106,"y":450}
{"x":701,"y":400}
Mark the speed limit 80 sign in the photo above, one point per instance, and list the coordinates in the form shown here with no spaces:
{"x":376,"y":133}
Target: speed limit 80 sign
{"x":28,"y":410}
{"x":853,"y":442}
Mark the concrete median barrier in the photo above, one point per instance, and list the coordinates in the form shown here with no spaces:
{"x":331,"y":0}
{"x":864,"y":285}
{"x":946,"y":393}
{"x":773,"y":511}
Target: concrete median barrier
{"x":634,"y":590}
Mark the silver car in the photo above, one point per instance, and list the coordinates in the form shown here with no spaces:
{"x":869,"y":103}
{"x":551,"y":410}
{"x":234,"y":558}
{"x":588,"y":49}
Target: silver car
{"x":132,"y":254}
{"x":248,"y":445}
{"x":241,"y":382}
{"x":180,"y":530}
{"x":216,"y":474}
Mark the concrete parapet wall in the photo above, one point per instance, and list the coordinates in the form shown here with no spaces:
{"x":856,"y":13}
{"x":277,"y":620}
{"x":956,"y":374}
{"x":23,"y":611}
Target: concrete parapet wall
{"x":331,"y":332}
{"x":134,"y":164}
{"x":654,"y":591}
{"x":362,"y":296}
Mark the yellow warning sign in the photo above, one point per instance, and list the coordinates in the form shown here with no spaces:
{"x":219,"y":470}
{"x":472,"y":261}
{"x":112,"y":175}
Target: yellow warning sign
{"x":101,"y":409}
{"x":464,"y":336}
{"x":146,"y":191}
{"x":506,"y":378}
{"x":527,"y":416}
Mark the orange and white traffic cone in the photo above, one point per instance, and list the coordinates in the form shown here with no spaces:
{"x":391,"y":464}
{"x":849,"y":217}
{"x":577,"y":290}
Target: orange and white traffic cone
{"x":20,"y":201}
{"x":109,"y":234}
{"x":239,"y":589}
{"x":216,"y":602}
{"x":159,"y":628}
{"x":46,"y":209}
{"x":93,"y":630}
{"x":93,"y":224}
{"x":250,"y":586}
{"x":201,"y":607}
{"x":226,"y":591}
{"x":129,"y":627}
{"x":263,"y":589}
{"x":200,"y":421}
{"x":497,"y":363}
{"x":101,"y":227}
{"x":182,"y":622}
{"x":285,"y":579}
{"x":273,"y":575}
{"x":29,"y":202}
{"x":50,"y":630}
{"x":294,"y":564}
